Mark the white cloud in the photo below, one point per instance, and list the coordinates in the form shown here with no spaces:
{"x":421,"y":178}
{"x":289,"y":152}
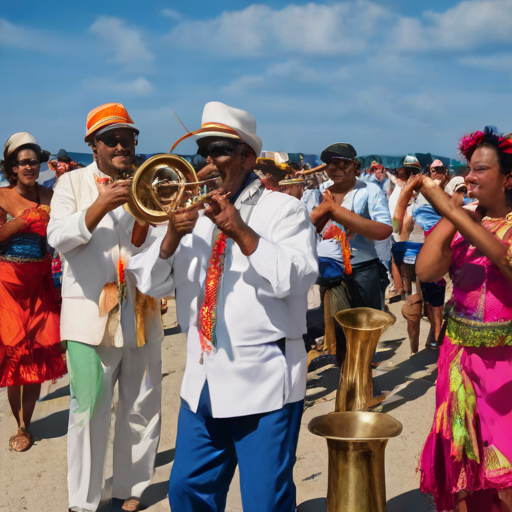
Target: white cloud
{"x":124,"y":40}
{"x":467,"y":25}
{"x":24,"y":38}
{"x":289,"y":71}
{"x":344,"y":28}
{"x":497,"y":62}
{"x":244,"y":84}
{"x":173,"y":14}
{"x":138,"y":87}
{"x":298,"y":71}
{"x":314,"y":29}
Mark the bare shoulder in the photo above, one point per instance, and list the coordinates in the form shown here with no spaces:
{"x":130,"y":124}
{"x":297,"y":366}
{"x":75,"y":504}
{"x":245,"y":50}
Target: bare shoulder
{"x":5,"y":193}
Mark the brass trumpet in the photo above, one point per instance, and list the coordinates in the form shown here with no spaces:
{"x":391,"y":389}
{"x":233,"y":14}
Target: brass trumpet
{"x":304,"y":178}
{"x":164,"y":183}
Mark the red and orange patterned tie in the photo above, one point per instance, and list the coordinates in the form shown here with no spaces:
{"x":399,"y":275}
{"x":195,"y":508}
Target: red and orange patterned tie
{"x":208,"y":311}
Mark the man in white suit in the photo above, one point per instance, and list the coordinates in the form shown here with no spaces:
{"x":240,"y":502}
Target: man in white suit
{"x":113,"y":332}
{"x":241,"y":270}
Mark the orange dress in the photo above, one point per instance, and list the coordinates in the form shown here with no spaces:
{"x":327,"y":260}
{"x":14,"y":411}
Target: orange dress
{"x":30,"y":348}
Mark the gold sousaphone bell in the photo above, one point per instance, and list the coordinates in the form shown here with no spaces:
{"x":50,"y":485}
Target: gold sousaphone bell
{"x":164,"y":183}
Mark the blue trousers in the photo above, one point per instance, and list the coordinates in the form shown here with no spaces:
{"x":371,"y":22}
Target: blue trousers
{"x":208,"y":450}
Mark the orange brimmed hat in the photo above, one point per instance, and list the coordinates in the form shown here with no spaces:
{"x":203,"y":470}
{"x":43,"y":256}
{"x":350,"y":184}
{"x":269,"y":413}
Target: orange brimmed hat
{"x":110,"y":116}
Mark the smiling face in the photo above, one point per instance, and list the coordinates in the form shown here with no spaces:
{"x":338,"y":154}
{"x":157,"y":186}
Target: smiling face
{"x":27,"y":167}
{"x":114,"y":151}
{"x":485,"y":181}
{"x":342,"y":172}
{"x":228,"y":158}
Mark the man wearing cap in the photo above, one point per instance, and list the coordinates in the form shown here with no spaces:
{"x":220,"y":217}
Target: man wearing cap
{"x":355,"y":211}
{"x":241,"y":270}
{"x":113,"y":332}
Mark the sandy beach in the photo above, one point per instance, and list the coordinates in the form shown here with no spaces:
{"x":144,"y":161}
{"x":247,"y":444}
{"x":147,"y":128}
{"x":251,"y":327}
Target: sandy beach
{"x":35,"y":481}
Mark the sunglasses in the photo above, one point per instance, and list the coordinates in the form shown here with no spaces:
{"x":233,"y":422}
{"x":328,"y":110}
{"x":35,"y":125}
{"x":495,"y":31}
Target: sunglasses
{"x":216,"y":149}
{"x":111,"y":141}
{"x":437,"y":170}
{"x":27,"y":163}
{"x":339,"y":162}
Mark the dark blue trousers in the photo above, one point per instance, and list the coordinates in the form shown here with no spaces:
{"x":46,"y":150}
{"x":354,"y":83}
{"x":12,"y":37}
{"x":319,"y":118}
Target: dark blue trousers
{"x":208,"y":450}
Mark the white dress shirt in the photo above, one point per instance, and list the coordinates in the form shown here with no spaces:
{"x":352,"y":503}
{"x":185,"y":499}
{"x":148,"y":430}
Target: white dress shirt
{"x":262,"y":298}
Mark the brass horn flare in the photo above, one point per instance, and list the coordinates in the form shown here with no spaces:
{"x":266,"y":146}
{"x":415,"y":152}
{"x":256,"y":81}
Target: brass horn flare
{"x":177,"y":180}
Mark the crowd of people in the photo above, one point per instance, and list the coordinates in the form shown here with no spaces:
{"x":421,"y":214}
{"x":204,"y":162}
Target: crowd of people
{"x":260,"y":244}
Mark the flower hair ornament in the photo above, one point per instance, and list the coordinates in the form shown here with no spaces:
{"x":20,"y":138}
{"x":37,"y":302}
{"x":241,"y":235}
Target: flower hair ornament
{"x":470,"y":142}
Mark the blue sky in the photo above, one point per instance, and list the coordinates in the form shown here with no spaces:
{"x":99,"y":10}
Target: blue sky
{"x":390,"y":77}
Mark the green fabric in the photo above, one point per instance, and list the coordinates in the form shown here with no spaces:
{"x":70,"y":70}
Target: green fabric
{"x":85,"y":374}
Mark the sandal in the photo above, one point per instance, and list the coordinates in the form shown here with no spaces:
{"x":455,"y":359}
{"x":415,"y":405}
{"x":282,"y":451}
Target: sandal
{"x":131,"y":504}
{"x":21,"y":441}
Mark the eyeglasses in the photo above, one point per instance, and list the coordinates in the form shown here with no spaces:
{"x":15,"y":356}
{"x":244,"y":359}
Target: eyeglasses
{"x":216,"y":150}
{"x":111,"y":141}
{"x":27,"y":163}
{"x":437,"y":170}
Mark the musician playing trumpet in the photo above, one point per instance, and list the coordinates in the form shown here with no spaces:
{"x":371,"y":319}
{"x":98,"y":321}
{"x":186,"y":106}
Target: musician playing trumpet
{"x":241,"y":269}
{"x":113,"y":332}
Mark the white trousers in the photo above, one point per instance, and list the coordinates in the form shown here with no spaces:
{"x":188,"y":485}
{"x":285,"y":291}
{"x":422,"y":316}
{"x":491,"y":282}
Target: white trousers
{"x":94,"y":372}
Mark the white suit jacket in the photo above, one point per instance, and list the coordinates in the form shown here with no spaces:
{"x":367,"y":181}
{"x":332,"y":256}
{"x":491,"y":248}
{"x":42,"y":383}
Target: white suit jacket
{"x":262,"y":298}
{"x":91,"y":261}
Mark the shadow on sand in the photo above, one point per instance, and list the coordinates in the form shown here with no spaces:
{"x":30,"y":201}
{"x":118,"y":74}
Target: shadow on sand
{"x":53,"y":426}
{"x":411,"y":500}
{"x":323,"y":382}
{"x":164,"y":458}
{"x":314,"y":505}
{"x":414,"y":370}
{"x":63,"y":391}
{"x":386,"y":350}
{"x":170,"y":331}
{"x":155,"y":493}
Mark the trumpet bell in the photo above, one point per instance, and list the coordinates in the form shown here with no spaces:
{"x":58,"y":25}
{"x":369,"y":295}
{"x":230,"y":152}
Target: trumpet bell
{"x":161,"y":185}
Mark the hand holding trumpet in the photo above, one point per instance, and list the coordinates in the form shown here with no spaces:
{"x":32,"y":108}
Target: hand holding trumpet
{"x":111,"y":196}
{"x":221,"y":212}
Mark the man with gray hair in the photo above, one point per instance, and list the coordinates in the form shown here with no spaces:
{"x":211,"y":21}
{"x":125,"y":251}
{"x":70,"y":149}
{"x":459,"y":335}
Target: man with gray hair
{"x":241,"y":270}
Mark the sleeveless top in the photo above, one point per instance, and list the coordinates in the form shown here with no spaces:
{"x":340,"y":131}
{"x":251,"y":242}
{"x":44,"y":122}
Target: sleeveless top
{"x":480,"y":314}
{"x":28,"y":244}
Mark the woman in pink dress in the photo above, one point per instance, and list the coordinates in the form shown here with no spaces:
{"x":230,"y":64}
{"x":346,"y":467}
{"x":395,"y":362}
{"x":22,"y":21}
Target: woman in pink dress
{"x":467,"y":459}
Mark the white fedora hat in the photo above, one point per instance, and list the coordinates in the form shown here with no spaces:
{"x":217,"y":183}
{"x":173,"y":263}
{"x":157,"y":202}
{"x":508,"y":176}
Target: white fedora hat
{"x":220,"y":120}
{"x":17,"y":140}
